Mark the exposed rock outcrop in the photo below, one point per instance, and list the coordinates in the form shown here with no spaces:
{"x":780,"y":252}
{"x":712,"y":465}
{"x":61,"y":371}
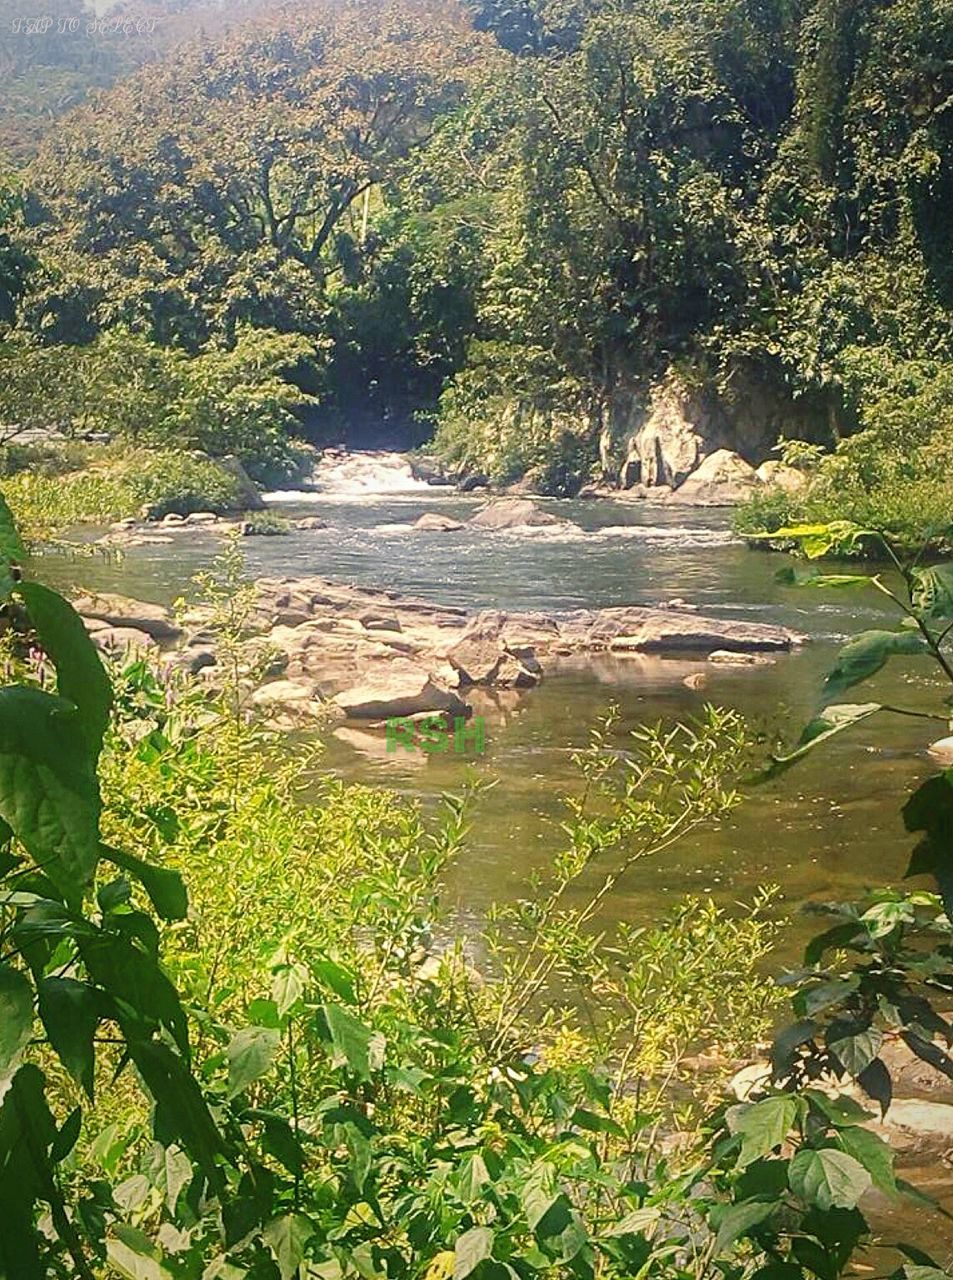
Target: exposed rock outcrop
{"x":434,"y":522}
{"x":512,"y":513}
{"x":374,"y":654}
{"x":723,"y":479}
{"x":400,"y":689}
{"x":120,"y":611}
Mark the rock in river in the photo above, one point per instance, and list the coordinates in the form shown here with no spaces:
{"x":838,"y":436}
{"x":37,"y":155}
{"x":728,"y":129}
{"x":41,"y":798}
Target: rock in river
{"x":120,"y":611}
{"x":512,"y":513}
{"x":434,"y":522}
{"x":400,"y":689}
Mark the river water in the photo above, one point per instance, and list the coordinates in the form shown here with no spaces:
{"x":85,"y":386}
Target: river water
{"x":828,"y":829}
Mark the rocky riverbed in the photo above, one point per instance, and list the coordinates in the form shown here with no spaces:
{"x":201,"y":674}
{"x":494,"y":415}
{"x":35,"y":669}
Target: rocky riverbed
{"x":317,"y":648}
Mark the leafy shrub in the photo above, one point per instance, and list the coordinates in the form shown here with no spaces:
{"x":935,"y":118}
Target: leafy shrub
{"x":894,"y":475}
{"x":222,"y":401}
{"x":119,"y":483}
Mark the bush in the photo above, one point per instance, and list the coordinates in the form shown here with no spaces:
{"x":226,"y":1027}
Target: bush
{"x":223,"y":401}
{"x":894,"y":475}
{"x":118,"y":484}
{"x":510,"y":415}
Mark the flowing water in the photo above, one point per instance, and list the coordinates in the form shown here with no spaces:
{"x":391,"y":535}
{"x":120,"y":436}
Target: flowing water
{"x":827,"y":830}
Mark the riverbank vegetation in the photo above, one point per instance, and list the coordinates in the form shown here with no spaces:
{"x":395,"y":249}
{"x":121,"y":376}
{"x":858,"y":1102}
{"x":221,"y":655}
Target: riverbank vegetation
{"x":516,"y":234}
{"x":241,"y":1037}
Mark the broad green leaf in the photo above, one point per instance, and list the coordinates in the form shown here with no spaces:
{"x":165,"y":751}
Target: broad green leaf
{"x":930,"y":810}
{"x":287,"y":1237}
{"x":181,"y":1113}
{"x":817,"y":540}
{"x":855,"y":1050}
{"x":787,"y":1041}
{"x":824,"y":994}
{"x":70,"y":1011}
{"x":796,"y":576}
{"x":135,"y":1256}
{"x":353,"y":1045}
{"x":833,"y":719}
{"x":932,"y":591}
{"x":471,"y":1178}
{"x":49,"y":793}
{"x":334,"y":975}
{"x":738,"y":1219}
{"x":864,"y":656}
{"x":250,"y":1054}
{"x":16,"y":1020}
{"x":873,"y":1153}
{"x":165,"y":887}
{"x":828,"y":1179}
{"x":68,"y":1135}
{"x":288,"y":986}
{"x":762,"y":1126}
{"x":638,"y":1222}
{"x":80,"y":675}
{"x":27,"y":1133}
{"x":470,"y":1250}
{"x":11,"y":549}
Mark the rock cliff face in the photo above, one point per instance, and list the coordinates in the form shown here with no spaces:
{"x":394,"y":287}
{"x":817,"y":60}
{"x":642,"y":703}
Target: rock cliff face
{"x":660,"y":441}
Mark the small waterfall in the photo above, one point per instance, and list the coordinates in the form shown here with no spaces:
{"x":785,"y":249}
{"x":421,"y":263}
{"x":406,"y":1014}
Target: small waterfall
{"x":362,"y":474}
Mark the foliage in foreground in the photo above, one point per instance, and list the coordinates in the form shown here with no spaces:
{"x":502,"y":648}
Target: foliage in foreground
{"x":301,"y":1071}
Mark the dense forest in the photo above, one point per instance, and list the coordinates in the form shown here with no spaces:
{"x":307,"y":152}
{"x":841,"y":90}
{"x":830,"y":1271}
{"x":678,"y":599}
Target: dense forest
{"x":514,"y":228}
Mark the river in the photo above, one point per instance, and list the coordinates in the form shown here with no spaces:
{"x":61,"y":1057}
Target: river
{"x":827,"y":830}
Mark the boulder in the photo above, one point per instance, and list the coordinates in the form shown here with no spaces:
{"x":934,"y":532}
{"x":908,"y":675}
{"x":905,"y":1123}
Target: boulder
{"x":378,"y":620}
{"x":477,"y":480}
{"x":401,"y":688}
{"x":778,"y":476}
{"x":172,"y":519}
{"x":518,"y":670}
{"x":429,"y":470}
{"x":201,"y":517}
{"x":294,"y":699}
{"x":434,"y":522}
{"x":122,"y":639}
{"x":941,"y":752}
{"x":678,"y":631}
{"x":512,"y":513}
{"x":121,"y":611}
{"x":724,"y":479}
{"x":670,"y":443}
{"x":476,"y":659}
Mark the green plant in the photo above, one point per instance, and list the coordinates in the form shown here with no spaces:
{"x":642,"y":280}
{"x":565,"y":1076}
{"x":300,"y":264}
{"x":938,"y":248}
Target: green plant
{"x":880,"y":970}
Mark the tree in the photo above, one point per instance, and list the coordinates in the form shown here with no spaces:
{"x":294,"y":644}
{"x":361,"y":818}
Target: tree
{"x":15,"y":261}
{"x":208,"y":190}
